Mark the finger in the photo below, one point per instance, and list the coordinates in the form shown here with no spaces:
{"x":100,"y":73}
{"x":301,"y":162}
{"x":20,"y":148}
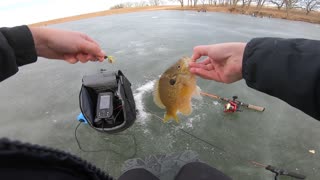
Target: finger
{"x":205,"y":74}
{"x":100,"y":55}
{"x":70,"y":58}
{"x":92,"y":48}
{"x":86,"y":37}
{"x":82,"y":57}
{"x":101,"y":58}
{"x":199,"y":51}
{"x":90,"y":57}
{"x":206,"y":61}
{"x":207,"y":64}
{"x":199,"y":65}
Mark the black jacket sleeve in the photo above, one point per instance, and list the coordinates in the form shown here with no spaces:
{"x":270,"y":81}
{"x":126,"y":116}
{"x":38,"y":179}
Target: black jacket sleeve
{"x":16,"y":49}
{"x":285,"y":68}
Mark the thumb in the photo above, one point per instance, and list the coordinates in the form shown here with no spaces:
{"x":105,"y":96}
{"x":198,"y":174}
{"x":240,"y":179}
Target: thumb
{"x":199,"y":51}
{"x":92,"y":48}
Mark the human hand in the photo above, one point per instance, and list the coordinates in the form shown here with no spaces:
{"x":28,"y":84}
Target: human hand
{"x":223,"y":62}
{"x":66,"y":45}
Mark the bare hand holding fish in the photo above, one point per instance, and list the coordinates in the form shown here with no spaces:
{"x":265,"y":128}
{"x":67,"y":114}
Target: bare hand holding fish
{"x":223,"y":62}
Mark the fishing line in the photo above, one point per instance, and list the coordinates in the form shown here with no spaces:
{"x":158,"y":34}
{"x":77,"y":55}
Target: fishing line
{"x":107,"y":150}
{"x":186,"y":132}
{"x":277,"y":171}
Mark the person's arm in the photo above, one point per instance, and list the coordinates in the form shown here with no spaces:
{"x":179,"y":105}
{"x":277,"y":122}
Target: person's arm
{"x":70,"y":46}
{"x":21,"y":45}
{"x":285,"y":68}
{"x":16,"y":49}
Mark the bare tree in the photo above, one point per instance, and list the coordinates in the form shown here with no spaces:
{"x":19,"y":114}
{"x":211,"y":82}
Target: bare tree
{"x":155,"y":2}
{"x":180,"y":1}
{"x":249,"y":3}
{"x":260,"y":4}
{"x":290,"y":4}
{"x":234,"y":2}
{"x":191,"y":3}
{"x":141,"y":4}
{"x":278,"y":3}
{"x":203,"y":2}
{"x":244,"y":2}
{"x":211,"y":2}
{"x":195,"y":3}
{"x":311,"y":5}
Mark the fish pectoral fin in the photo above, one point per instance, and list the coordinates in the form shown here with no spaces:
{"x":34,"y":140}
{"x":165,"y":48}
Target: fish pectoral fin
{"x":167,"y":117}
{"x":156,"y":96}
{"x":196,"y":94}
{"x":186,"y":109}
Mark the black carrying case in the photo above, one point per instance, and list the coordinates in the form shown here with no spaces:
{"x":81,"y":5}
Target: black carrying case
{"x":120,"y":86}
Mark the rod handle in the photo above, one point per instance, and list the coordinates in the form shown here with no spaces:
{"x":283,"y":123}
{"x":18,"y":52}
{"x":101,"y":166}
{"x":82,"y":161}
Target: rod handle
{"x":257,"y":108}
{"x":286,"y":173}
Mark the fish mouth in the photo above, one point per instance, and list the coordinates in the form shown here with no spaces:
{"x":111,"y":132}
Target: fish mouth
{"x":186,"y":62}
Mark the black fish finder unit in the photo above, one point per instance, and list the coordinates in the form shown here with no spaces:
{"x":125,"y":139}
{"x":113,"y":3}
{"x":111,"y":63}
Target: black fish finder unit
{"x":106,"y":101}
{"x":104,"y":105}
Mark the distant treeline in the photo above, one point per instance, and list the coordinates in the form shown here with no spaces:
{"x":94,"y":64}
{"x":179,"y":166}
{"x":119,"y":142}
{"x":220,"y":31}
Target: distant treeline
{"x":138,"y":4}
{"x":306,"y":5}
{"x":287,"y":5}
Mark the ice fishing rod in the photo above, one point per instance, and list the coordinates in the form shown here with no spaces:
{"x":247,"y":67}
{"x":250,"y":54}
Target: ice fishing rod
{"x":277,"y":171}
{"x":249,"y":106}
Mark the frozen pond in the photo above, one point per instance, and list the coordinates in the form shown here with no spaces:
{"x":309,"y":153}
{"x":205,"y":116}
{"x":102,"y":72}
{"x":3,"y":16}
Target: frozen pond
{"x":40,"y":103}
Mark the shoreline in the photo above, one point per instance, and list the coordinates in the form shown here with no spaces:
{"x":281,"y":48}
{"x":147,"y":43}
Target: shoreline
{"x":101,"y":13}
{"x":294,"y":15}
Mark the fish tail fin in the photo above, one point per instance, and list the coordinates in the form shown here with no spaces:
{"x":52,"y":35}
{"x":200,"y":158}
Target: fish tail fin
{"x":176,"y":119}
{"x":167,"y":117}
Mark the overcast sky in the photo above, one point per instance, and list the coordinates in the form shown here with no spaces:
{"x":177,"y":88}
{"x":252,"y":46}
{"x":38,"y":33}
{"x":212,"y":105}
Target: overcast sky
{"x":18,"y":12}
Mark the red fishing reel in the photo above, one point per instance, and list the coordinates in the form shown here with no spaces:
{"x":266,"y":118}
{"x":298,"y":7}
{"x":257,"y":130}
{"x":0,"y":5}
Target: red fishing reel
{"x":232,"y":106}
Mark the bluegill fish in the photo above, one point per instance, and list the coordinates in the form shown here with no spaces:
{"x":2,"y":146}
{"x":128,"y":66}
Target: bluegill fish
{"x":175,"y":89}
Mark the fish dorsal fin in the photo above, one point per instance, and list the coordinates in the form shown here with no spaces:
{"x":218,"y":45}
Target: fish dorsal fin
{"x":156,"y":96}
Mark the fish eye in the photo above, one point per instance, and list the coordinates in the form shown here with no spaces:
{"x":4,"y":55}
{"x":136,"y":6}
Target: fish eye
{"x":178,"y":66}
{"x":172,"y":81}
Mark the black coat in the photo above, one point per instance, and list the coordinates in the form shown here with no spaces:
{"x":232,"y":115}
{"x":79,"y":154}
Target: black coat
{"x":285,"y":68}
{"x":16,"y":49}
